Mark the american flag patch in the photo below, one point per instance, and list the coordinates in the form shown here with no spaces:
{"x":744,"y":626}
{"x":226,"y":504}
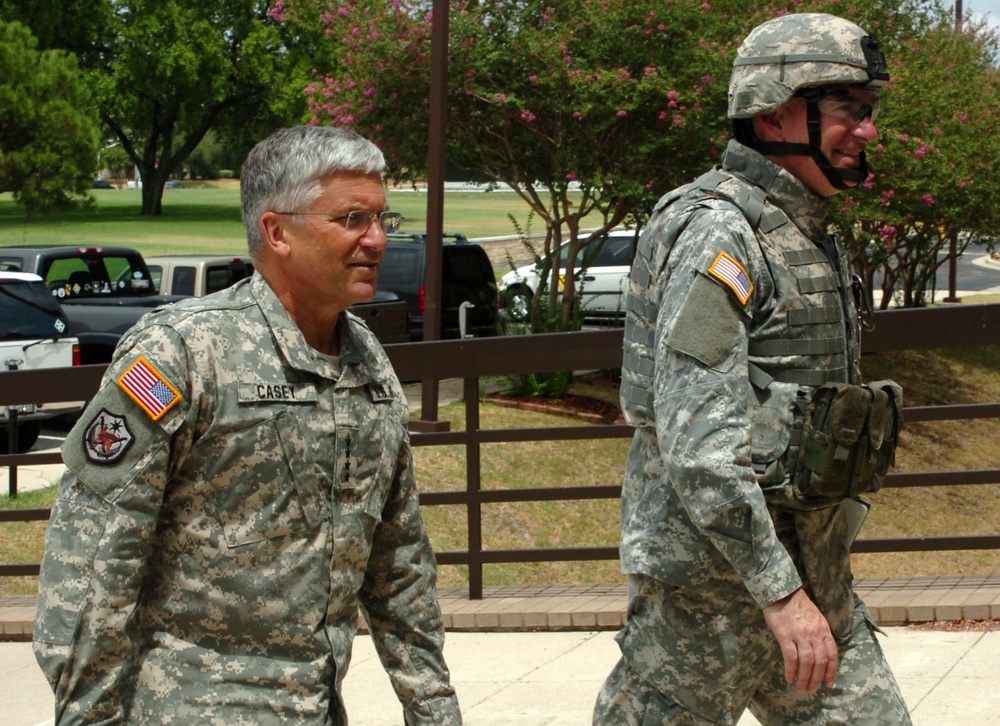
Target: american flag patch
{"x":732,"y":275}
{"x":148,"y":388}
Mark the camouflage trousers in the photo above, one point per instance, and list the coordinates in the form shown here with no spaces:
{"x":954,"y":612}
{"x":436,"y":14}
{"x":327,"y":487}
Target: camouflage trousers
{"x":697,"y":658}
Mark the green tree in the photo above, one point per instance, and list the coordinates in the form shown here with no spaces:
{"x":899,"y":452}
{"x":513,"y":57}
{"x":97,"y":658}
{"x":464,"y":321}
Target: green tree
{"x":48,"y":129}
{"x":165,"y":72}
{"x":618,"y":99}
{"x":175,"y":70}
{"x":627,"y":100}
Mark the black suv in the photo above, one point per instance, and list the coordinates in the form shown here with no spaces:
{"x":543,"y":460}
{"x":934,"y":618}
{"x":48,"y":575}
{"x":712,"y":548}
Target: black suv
{"x":466,"y":277}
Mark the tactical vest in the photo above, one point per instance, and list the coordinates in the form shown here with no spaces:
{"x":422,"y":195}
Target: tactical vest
{"x":803,"y":333}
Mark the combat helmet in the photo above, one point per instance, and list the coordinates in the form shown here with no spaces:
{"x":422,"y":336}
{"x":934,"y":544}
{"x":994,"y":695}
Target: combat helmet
{"x":789,"y":55}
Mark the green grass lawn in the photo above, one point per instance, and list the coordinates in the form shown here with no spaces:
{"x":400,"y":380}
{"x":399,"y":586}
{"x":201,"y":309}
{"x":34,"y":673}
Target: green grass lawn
{"x":203,"y":219}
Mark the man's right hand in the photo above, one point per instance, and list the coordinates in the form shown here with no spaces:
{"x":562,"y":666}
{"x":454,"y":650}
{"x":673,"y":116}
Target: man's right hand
{"x":806,"y":643}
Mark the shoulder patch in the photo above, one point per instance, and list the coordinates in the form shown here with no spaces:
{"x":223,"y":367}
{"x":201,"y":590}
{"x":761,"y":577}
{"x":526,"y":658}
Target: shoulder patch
{"x":147,"y":387}
{"x":732,"y":274}
{"x":107,"y":438}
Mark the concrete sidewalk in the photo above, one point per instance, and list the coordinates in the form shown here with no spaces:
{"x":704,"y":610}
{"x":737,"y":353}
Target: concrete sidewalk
{"x":552,"y":679}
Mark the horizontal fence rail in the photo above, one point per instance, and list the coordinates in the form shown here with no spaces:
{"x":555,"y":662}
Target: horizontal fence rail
{"x":475,"y":359}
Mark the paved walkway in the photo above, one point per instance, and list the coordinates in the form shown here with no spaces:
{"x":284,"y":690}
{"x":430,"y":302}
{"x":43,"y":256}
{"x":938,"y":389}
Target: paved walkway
{"x":552,"y":678}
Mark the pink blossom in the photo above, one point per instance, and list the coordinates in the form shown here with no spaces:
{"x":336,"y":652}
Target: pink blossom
{"x":369,"y":92}
{"x":673,"y":95}
{"x":706,"y":6}
{"x":343,"y":11}
{"x":501,"y":97}
{"x":571,"y":177}
{"x":578,"y":116}
{"x":887,"y":196}
{"x":533,"y":78}
{"x":706,"y":79}
{"x":928,"y":199}
{"x":905,"y":138}
{"x":662,"y":116}
{"x":528,"y":116}
{"x":622,"y":113}
{"x":921,"y":152}
{"x":277,"y":12}
{"x":888,"y":234}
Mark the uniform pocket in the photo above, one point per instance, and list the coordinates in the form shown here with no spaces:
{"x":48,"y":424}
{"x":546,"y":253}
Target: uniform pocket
{"x":263,"y":488}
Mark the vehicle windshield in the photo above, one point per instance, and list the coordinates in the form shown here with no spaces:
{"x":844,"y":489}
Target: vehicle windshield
{"x":27,"y":311}
{"x":614,"y":252}
{"x":96,"y":276}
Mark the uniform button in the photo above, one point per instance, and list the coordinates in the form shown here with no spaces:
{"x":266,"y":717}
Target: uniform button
{"x":755,"y":174}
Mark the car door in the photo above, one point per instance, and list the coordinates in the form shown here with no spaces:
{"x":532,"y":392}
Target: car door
{"x":600,"y":284}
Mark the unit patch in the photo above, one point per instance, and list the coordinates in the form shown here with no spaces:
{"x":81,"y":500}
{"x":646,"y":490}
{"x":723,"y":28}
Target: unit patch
{"x":731,"y":274}
{"x":148,"y":388}
{"x":107,"y":438}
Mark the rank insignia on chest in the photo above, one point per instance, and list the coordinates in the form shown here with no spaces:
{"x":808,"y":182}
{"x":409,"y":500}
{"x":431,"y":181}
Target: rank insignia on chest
{"x":149,"y":388}
{"x":732,"y":274}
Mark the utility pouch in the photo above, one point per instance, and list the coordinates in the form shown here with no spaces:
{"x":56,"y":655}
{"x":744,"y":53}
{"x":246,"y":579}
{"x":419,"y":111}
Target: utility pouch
{"x":849,"y":440}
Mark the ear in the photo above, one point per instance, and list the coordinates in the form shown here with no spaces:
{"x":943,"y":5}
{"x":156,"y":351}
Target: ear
{"x":770,"y":126}
{"x":275,"y":229}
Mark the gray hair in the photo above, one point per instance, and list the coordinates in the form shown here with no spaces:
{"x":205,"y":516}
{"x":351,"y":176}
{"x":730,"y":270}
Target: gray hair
{"x":283,"y":172}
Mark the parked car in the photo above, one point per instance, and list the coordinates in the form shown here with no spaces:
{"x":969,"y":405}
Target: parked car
{"x":173,"y":185}
{"x":102,"y":184}
{"x":197,"y":275}
{"x":468,"y":284}
{"x":601,"y":274}
{"x":34,"y":334}
{"x":103,"y":290}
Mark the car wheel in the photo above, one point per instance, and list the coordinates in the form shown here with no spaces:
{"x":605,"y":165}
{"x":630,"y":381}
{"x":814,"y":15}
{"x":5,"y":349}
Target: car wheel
{"x":27,"y":435}
{"x":519,"y":304}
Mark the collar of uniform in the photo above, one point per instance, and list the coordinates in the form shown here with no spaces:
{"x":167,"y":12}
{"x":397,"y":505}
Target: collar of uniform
{"x":805,"y":209}
{"x":292,"y":344}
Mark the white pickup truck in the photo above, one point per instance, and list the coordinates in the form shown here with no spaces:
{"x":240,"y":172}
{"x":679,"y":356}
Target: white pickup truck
{"x":34,"y":334}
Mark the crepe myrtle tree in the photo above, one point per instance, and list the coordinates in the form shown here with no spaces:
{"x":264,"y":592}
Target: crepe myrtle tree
{"x":588,"y":109}
{"x":934,"y":164}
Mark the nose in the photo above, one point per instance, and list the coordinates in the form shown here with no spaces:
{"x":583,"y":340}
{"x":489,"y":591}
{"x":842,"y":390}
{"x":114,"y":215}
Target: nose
{"x":865,"y":129}
{"x":374,"y":237}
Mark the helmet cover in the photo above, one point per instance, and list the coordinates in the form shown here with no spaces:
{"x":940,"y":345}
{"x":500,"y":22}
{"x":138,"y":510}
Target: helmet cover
{"x":801,"y":50}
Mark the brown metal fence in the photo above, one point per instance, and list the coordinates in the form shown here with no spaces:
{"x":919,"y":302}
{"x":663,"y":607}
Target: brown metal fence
{"x":476,"y":359}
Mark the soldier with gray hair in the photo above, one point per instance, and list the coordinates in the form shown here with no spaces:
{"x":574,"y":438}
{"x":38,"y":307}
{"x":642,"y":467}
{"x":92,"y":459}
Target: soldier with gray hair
{"x":755,"y":437}
{"x":242,"y":484}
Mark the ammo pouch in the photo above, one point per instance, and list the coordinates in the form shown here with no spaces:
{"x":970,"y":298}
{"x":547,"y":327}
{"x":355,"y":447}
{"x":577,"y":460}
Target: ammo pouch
{"x":849,"y":439}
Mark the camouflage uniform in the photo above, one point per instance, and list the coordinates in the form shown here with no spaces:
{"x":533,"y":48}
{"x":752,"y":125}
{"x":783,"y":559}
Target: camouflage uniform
{"x":231,"y":498}
{"x":734,"y":312}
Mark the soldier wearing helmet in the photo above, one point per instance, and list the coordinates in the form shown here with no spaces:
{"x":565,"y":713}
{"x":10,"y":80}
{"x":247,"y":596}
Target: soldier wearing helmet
{"x":741,"y":318}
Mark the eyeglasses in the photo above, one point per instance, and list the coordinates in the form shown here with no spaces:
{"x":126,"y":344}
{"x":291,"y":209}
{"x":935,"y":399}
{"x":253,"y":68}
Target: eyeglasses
{"x":843,"y":105}
{"x":359,"y":221}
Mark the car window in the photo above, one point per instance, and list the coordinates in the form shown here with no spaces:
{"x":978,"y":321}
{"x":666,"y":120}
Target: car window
{"x":466,"y":264}
{"x":183,"y":281}
{"x":155,"y":272}
{"x":27,"y":311}
{"x":400,"y":268}
{"x":615,"y":251}
{"x":96,"y":275}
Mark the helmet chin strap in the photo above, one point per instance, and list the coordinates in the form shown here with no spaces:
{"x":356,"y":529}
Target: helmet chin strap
{"x":839,"y":178}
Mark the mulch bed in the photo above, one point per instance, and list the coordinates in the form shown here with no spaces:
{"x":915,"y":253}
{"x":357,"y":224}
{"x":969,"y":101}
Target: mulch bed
{"x":584,"y":408}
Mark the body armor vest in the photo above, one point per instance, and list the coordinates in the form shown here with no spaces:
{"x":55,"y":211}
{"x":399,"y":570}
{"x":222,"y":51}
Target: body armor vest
{"x":803,"y":327}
